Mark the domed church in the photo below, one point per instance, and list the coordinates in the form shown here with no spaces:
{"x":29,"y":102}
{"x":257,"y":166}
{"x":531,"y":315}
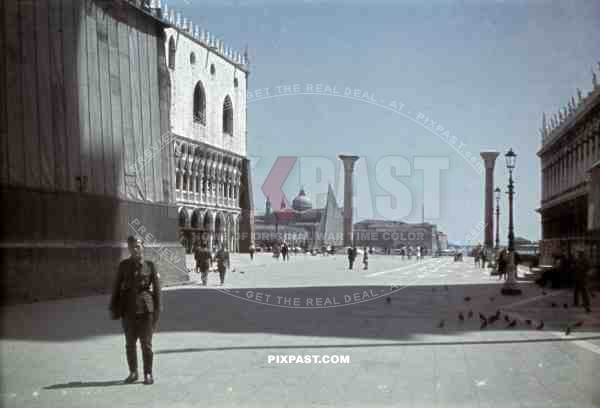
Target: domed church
{"x":309,"y":227}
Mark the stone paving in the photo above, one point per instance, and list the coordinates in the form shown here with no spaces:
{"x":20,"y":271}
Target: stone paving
{"x":213,"y":344}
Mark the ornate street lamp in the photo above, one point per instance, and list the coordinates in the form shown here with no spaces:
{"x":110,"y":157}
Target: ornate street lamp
{"x":498,"y":192}
{"x":510,"y":287}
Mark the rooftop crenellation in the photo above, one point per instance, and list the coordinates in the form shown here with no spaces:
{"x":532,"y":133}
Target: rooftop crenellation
{"x":161,"y":10}
{"x":555,"y":121}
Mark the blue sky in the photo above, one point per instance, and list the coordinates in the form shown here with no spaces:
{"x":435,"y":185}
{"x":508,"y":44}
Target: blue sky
{"x":485,"y":71}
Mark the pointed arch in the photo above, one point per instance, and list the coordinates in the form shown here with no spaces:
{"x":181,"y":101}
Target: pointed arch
{"x":199,"y":104}
{"x":228,"y":116}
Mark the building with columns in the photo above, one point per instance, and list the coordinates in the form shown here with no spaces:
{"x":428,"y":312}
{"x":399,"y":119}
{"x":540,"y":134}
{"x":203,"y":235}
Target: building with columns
{"x":208,"y":125}
{"x":121,"y":118}
{"x":442,"y":241}
{"x":388,"y":234}
{"x":569,"y":156}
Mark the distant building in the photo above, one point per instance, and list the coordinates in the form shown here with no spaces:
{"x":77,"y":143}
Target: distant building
{"x":301,"y":225}
{"x":442,"y":241}
{"x":396,"y":234}
{"x":570,"y":156}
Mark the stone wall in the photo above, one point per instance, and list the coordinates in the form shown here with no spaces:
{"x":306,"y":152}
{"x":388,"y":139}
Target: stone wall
{"x":69,"y":244}
{"x":84,"y":152}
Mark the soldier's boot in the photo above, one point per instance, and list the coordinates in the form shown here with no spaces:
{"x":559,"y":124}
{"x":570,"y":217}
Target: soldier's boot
{"x":147,"y":356}
{"x":132,"y":363}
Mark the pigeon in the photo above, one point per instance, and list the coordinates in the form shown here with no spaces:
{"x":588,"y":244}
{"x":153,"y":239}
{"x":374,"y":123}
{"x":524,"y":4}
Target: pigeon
{"x":553,"y":304}
{"x":506,"y":318}
{"x":483,"y":325}
{"x":498,"y":314}
{"x":470,"y":315}
{"x":467,"y":298}
{"x":441,"y":324}
{"x":482,"y":317}
{"x":540,"y":326}
{"x":528,"y":322}
{"x":461,"y":317}
{"x":388,"y":299}
{"x":492,"y":319}
{"x":513,"y":323}
{"x":568,"y":331}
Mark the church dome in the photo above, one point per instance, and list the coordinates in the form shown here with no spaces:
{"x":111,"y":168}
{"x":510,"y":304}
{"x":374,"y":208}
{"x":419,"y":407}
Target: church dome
{"x":301,"y":202}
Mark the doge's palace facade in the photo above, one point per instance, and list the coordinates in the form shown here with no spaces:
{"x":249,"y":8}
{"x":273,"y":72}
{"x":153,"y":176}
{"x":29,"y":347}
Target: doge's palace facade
{"x":208,"y":126}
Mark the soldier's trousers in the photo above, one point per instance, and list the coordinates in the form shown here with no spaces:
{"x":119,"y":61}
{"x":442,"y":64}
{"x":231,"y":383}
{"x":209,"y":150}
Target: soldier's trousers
{"x":139,"y":327}
{"x":222,"y":275}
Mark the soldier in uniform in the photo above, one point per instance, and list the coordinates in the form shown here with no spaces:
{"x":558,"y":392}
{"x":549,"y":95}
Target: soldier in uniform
{"x":136,"y":300}
{"x":204,"y":262}
{"x":223,"y":263}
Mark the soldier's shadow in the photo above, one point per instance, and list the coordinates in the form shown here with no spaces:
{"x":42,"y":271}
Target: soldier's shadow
{"x":86,"y":384}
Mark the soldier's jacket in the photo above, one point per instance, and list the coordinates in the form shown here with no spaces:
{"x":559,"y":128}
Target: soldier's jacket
{"x":203,"y":258}
{"x":222,"y":259}
{"x":136,"y":289}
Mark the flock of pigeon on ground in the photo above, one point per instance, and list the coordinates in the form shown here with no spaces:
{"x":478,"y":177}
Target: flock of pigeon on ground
{"x":510,"y":322}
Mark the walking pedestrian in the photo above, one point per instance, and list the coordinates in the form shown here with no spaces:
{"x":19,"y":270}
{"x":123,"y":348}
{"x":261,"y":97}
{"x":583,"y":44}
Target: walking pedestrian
{"x":365,"y":259}
{"x":502,"y":260}
{"x":223,"y":262}
{"x":582,"y":267}
{"x":136,"y":300}
{"x":204,"y":261}
{"x":351,"y":257}
{"x":284,"y":251}
{"x":252,"y":249}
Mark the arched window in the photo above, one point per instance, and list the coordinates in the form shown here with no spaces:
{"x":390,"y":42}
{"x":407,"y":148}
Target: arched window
{"x":171,"y":53}
{"x":228,"y":116}
{"x":199,"y":104}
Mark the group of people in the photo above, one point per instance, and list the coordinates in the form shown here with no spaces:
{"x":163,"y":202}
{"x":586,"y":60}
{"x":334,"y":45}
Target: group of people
{"x":569,"y":269}
{"x":205,"y":261}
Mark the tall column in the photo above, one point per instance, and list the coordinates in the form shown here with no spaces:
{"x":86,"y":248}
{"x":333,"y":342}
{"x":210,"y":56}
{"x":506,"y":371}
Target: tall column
{"x":348,"y":161}
{"x":489,"y":159}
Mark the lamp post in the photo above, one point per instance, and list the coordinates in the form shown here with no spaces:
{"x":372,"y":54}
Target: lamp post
{"x":510,"y":287}
{"x":497,"y":191}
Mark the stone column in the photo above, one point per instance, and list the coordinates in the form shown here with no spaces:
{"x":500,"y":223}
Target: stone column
{"x":348,"y":161}
{"x":489,"y":159}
